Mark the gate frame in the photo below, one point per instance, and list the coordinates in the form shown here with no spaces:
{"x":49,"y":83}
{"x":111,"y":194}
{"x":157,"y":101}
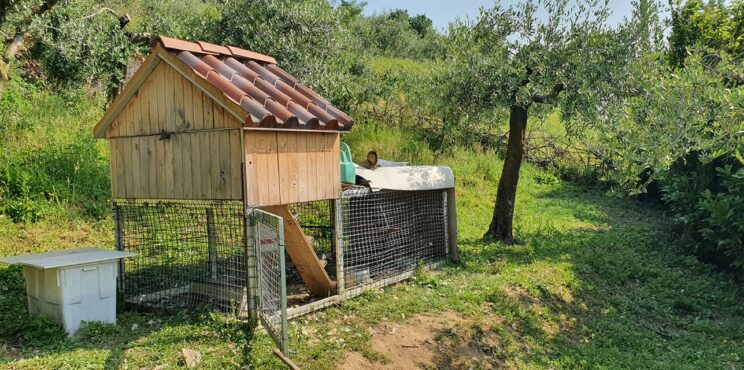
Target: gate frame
{"x":281,"y":339}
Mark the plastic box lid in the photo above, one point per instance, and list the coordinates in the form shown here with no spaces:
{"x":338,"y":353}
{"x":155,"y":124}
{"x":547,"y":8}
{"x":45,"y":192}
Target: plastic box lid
{"x":65,"y":258}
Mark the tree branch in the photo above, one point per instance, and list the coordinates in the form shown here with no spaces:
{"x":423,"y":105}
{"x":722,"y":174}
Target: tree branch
{"x":547,"y":98}
{"x":522,"y":83}
{"x":737,"y":79}
{"x":13,"y":45}
{"x":123,"y":19}
{"x":141,"y":38}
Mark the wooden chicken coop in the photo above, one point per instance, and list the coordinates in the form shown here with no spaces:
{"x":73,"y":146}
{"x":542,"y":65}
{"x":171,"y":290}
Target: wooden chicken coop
{"x":220,"y":163}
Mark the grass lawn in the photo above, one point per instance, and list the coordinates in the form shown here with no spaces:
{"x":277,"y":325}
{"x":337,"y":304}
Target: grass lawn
{"x":597,"y":282}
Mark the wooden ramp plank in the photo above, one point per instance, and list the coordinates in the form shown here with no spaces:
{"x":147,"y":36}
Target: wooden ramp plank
{"x":303,"y":256}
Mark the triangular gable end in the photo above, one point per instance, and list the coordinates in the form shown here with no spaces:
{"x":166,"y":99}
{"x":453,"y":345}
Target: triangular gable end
{"x":161,"y":68}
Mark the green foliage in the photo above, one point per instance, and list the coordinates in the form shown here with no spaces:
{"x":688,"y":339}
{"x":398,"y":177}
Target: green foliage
{"x":94,"y":329}
{"x":510,"y":56}
{"x":707,"y":200}
{"x":546,"y":178}
{"x":421,"y":24}
{"x":189,"y":19}
{"x":73,"y":43}
{"x":308,"y":39}
{"x":396,"y":34}
{"x":699,"y":25}
{"x":692,"y":110}
{"x":693,"y":116}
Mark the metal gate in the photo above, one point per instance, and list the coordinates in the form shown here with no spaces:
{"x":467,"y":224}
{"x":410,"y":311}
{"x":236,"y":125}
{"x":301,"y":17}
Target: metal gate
{"x":272,"y":286}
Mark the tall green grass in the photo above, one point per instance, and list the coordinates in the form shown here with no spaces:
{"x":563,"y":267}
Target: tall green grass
{"x":50,"y":164}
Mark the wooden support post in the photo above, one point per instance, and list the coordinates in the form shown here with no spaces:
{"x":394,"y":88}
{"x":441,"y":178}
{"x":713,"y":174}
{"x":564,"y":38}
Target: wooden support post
{"x":119,"y":241}
{"x":212,"y":243}
{"x":452,"y":251}
{"x":251,"y":270}
{"x":303,"y":255}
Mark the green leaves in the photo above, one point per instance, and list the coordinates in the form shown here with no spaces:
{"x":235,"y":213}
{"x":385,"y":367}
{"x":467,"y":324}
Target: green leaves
{"x":671,"y":115}
{"x":699,"y":25}
{"x":512,"y":55}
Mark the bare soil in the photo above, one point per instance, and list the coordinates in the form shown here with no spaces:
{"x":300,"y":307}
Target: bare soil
{"x":422,"y":342}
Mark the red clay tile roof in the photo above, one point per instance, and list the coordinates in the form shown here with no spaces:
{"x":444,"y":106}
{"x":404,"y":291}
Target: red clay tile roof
{"x":273,"y":98}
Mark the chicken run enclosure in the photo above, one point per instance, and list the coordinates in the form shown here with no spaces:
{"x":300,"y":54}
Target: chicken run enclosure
{"x":226,"y":183}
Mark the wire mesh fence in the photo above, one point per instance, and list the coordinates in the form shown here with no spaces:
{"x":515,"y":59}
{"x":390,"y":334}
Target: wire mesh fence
{"x":269,"y":233}
{"x":387,"y":233}
{"x":317,"y":222}
{"x":200,"y":254}
{"x":189,"y":254}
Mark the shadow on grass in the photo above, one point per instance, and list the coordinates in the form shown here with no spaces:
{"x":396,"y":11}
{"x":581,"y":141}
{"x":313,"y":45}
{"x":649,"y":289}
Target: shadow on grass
{"x":23,"y":336}
{"x":613,"y":291}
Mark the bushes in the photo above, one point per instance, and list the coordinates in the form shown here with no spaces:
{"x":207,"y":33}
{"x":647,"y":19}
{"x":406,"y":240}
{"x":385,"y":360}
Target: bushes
{"x":707,"y":200}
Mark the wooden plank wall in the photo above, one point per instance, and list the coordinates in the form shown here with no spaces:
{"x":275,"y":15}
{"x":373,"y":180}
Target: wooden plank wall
{"x":169,"y":102}
{"x":291,"y":167}
{"x":202,"y":157}
{"x":193,"y":165}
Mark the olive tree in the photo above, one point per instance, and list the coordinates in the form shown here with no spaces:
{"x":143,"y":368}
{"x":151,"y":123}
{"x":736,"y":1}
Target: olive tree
{"x":74,"y":40}
{"x":16,"y":18}
{"x":556,"y":53}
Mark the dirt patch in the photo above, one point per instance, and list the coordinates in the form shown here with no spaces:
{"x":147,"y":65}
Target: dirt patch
{"x":422,"y":342}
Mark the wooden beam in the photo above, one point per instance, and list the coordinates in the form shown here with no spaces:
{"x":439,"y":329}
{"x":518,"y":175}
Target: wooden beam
{"x":303,"y":255}
{"x":291,"y":365}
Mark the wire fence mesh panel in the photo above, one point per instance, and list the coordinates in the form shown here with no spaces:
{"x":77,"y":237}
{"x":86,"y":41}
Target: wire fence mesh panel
{"x":387,"y":233}
{"x":317,"y":222}
{"x":269,"y":240}
{"x":189,"y":254}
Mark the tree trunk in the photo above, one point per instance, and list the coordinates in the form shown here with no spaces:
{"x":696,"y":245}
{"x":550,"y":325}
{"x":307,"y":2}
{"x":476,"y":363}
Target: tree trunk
{"x":11,"y":49}
{"x":503,"y":213}
{"x":4,"y":76}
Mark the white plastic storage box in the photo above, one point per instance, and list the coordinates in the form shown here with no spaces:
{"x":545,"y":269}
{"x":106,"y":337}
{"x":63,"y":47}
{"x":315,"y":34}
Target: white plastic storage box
{"x":72,"y":285}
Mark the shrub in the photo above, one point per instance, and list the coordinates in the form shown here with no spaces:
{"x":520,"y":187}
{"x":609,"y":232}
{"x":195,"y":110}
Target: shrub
{"x":707,"y":200}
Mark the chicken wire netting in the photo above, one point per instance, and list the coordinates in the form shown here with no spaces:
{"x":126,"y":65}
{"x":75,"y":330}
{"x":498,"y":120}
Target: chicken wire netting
{"x":387,"y":233}
{"x":269,"y":233}
{"x":188,"y":254}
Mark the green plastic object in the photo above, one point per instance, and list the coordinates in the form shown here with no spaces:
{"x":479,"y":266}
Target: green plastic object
{"x":348,"y":172}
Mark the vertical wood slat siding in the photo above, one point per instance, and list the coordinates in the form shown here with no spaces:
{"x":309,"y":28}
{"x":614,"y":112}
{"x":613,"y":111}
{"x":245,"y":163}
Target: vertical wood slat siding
{"x":145,"y":167}
{"x":291,"y":167}
{"x":115,"y":184}
{"x":190,"y":150}
{"x":167,"y":101}
{"x":280,"y":167}
{"x":191,"y":165}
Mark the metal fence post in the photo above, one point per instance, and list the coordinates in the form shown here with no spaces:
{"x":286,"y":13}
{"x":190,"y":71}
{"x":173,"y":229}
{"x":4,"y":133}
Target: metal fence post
{"x":338,"y":237}
{"x":212,"y":243}
{"x":453,"y":251}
